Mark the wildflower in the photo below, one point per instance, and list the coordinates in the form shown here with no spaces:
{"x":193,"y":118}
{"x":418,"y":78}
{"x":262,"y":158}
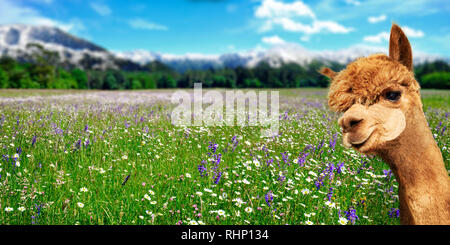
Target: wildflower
{"x":83,"y":189}
{"x":124,"y":157}
{"x":148,"y":212}
{"x":394,"y":213}
{"x":305,"y":191}
{"x":308,"y":222}
{"x":80,"y":204}
{"x":238,"y":201}
{"x":201,"y":222}
{"x":151,"y":192}
{"x":146,"y":196}
{"x":21,"y":209}
{"x":8,"y":209}
{"x":342,"y":221}
{"x":188,"y":175}
{"x":198,"y":193}
{"x":269,"y":198}
{"x":153,"y":202}
{"x":330,"y":204}
{"x":248,"y":209}
{"x":221,"y":212}
{"x":351,"y":215}
{"x":217,"y":178}
{"x":193,"y":222}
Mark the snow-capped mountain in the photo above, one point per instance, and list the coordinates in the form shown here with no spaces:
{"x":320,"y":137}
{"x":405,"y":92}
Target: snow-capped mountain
{"x":274,"y":56}
{"x":15,"y":38}
{"x":78,"y":52}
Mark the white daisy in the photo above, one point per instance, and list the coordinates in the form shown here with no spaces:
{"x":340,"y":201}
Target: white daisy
{"x":343,"y":221}
{"x":305,"y":191}
{"x":146,"y":196}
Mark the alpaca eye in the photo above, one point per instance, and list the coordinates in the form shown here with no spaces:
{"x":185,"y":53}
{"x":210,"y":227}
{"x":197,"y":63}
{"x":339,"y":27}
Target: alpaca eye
{"x":393,"y":95}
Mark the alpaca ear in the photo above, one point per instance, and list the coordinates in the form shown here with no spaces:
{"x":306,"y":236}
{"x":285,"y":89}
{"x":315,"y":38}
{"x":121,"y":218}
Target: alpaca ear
{"x":327,"y":72}
{"x":399,"y":47}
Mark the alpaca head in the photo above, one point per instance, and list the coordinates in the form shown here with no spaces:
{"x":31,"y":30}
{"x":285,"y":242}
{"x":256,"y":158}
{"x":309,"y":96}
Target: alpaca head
{"x":378,"y":95}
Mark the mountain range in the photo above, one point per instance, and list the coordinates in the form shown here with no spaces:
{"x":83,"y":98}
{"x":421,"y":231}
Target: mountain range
{"x":77,"y":52}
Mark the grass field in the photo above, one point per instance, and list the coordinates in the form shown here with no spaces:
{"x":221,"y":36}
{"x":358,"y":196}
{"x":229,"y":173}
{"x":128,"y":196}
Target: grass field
{"x":78,"y":157}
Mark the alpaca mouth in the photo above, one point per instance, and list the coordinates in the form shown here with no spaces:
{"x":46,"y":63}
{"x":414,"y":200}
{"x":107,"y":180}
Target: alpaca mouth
{"x":361,"y":143}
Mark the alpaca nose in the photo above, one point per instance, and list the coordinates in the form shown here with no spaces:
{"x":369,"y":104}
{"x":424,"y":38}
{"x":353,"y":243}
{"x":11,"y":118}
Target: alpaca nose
{"x":348,"y":122}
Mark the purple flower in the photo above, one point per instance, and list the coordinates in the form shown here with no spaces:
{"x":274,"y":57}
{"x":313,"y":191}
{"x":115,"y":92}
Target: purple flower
{"x":285,"y":158}
{"x":394,"y":213}
{"x":351,"y":215}
{"x":33,"y":141}
{"x":269,"y":198}
{"x":333,"y":141}
{"x":217,"y":178}
{"x":339,"y":168}
{"x":330,"y":194}
{"x":213,"y":147}
{"x":202,"y":169}
{"x":302,"y":159}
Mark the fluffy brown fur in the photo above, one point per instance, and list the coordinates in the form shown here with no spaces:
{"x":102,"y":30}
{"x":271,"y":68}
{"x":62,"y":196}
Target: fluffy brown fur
{"x":364,"y":81}
{"x":383,"y":115}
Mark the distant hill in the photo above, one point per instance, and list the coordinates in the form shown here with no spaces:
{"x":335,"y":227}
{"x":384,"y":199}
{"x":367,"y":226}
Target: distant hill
{"x":77,"y":52}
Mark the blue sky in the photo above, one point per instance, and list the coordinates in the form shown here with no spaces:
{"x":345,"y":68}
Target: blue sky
{"x":222,"y":26}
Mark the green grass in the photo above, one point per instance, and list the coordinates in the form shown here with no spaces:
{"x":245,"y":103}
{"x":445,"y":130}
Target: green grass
{"x":128,"y":133}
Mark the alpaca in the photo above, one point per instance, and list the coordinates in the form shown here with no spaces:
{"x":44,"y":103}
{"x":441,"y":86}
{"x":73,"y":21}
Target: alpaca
{"x":383,"y":115}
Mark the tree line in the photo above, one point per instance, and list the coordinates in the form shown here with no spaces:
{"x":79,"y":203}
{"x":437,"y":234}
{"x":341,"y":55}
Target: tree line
{"x":43,"y":73}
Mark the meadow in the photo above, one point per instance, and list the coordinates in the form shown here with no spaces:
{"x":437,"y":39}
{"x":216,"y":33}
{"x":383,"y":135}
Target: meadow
{"x":114,"y":158}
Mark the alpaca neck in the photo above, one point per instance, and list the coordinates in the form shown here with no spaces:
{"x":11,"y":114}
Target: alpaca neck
{"x":418,"y":166}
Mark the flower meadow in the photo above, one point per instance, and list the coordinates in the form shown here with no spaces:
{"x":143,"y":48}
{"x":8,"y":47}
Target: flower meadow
{"x":113,"y":158}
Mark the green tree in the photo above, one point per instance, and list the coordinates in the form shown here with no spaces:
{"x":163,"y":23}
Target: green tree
{"x":80,"y":77}
{"x":136,"y":84}
{"x":4,"y":79}
{"x":109,"y":81}
{"x":440,"y":80}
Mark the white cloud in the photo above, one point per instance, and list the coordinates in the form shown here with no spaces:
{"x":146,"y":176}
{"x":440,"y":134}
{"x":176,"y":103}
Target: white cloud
{"x":315,"y":27}
{"x":410,"y":32}
{"x":291,"y":17}
{"x":375,"y":19}
{"x":101,"y":9}
{"x":11,"y":12}
{"x":272,"y":9}
{"x":273,"y":40}
{"x":382,"y":36}
{"x":146,"y":25}
{"x":353,"y":2}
